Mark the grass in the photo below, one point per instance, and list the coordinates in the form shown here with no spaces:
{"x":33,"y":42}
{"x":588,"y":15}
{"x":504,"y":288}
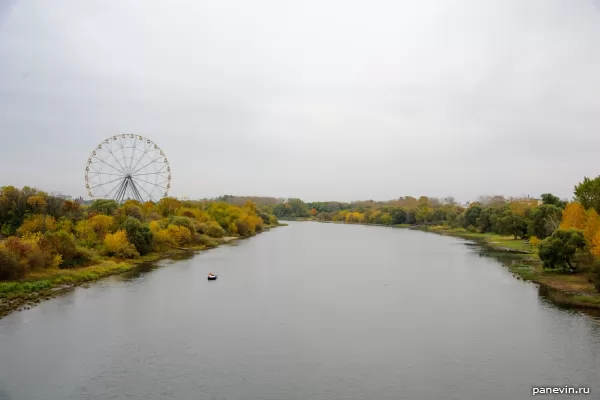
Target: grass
{"x":491,"y":239}
{"x":526,"y":272}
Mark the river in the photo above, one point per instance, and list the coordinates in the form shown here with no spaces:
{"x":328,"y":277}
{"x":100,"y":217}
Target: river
{"x":307,"y":311}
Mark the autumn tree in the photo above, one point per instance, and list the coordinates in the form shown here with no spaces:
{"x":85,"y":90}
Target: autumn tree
{"x":116,"y":244}
{"x":37,"y":203}
{"x":10,"y":267}
{"x":101,"y":225}
{"x":168,"y":205}
{"x":37,"y":223}
{"x":573,"y":216}
{"x":180,"y":234}
{"x":85,"y":233}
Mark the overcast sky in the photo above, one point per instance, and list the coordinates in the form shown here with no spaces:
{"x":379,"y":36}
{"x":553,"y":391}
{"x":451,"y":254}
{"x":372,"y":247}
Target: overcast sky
{"x":322,"y":100}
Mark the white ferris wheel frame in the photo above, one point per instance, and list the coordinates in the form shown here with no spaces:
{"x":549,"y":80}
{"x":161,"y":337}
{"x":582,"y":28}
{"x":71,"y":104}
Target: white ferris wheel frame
{"x":128,"y":166}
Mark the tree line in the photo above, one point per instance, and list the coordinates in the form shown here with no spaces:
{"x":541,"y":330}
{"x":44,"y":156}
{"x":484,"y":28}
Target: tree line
{"x":40,"y":232}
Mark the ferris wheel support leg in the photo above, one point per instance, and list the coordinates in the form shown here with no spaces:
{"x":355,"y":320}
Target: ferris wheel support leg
{"x":121,"y":192}
{"x":136,"y":192}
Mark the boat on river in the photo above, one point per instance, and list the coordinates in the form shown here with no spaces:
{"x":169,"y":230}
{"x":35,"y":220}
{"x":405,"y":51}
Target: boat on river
{"x":212,"y":277}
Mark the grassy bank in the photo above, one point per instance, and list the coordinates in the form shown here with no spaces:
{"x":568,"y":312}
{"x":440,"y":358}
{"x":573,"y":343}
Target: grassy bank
{"x":36,"y":287}
{"x":570,"y":290}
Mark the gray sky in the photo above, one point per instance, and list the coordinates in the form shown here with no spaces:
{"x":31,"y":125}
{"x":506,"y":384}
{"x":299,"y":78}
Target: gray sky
{"x":322,"y":100}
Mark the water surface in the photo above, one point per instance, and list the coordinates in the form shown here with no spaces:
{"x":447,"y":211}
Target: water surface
{"x":308,"y":311}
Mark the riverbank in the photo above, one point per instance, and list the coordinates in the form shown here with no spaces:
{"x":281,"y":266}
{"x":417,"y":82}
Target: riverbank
{"x":36,"y":287}
{"x":569,"y":290}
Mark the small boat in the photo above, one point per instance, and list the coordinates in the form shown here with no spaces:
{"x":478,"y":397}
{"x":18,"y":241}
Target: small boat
{"x":212,"y":278}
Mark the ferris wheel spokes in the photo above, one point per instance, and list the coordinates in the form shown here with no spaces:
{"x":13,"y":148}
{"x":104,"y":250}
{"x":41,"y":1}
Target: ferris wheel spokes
{"x":113,"y":169}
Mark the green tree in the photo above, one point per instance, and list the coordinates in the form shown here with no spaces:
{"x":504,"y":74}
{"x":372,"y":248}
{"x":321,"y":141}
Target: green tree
{"x":472,"y":214}
{"x":545,"y":220}
{"x":103,"y":206}
{"x":552,"y":200}
{"x":398,"y":215}
{"x":299,"y":208}
{"x":138,"y":234}
{"x":560,"y":249}
{"x":588,"y":193}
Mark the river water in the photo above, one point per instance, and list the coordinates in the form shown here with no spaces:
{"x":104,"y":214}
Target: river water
{"x":307,"y":311}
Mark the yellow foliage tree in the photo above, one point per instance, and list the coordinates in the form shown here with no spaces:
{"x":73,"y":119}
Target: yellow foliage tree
{"x":374,"y":217}
{"x":595,"y":247}
{"x":37,"y":203}
{"x":355,"y":217}
{"x":573,"y":217}
{"x":385,"y":219}
{"x":180,"y":234}
{"x":194,"y":213}
{"x":251,"y":206}
{"x":101,"y":225}
{"x":341,"y":216}
{"x":32,"y":237}
{"x":65,"y":224}
{"x":85,"y":232}
{"x":520,"y":206}
{"x":592,"y":226}
{"x":162,"y":240}
{"x":148,"y":207}
{"x":534,"y":241}
{"x":37,"y":223}
{"x":154,"y":226}
{"x":116,"y":244}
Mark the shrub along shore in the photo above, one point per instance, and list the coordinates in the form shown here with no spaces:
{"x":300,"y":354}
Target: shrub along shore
{"x":49,"y":245}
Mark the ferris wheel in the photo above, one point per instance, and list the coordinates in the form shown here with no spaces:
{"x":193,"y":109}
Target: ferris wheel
{"x":127,"y":166}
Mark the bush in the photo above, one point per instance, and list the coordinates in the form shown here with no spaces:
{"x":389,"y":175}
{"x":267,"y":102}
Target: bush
{"x":242,"y":227}
{"x":180,"y":234}
{"x":184,"y":221}
{"x":560,"y":249}
{"x":162,"y":240}
{"x":28,"y":252}
{"x":10,"y":267}
{"x":206,"y":241}
{"x":138,"y":234}
{"x":62,"y":243}
{"x":213,"y":229}
{"x":596,"y":274}
{"x":116,"y":244}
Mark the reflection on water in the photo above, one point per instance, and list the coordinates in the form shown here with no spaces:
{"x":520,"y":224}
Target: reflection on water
{"x":550,"y":295}
{"x":146,"y":267}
